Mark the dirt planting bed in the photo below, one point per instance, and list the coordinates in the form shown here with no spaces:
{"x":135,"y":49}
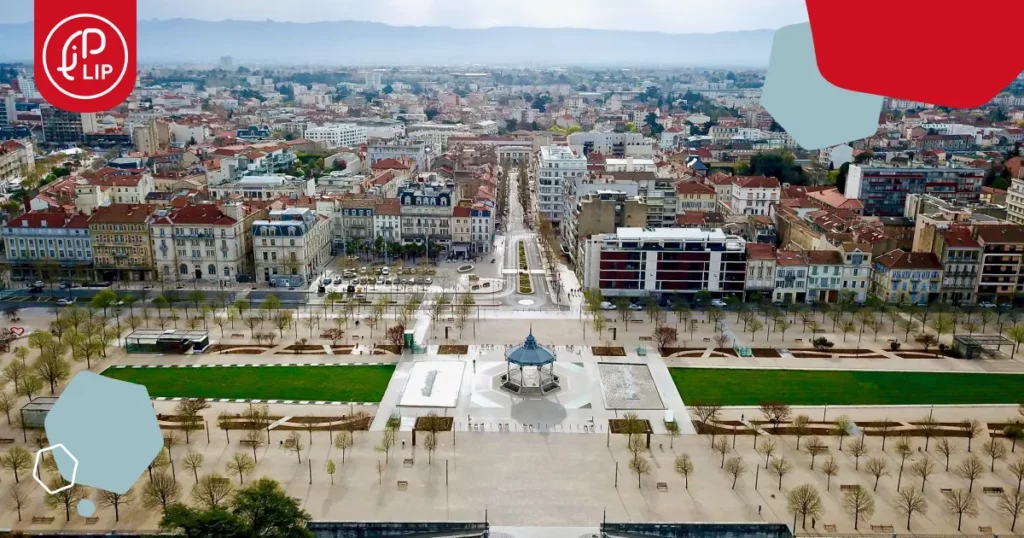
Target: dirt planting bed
{"x":443,"y":424}
{"x":765,"y":352}
{"x":397,"y":350}
{"x":306,"y":347}
{"x":452,"y":350}
{"x":217,"y":348}
{"x":618,"y":425}
{"x":604,"y":351}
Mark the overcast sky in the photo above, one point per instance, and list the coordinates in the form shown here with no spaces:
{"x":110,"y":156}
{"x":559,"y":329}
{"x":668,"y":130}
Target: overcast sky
{"x":674,"y":16}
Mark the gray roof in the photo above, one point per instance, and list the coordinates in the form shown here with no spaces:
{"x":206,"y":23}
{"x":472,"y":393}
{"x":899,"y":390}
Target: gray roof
{"x":531,"y":353}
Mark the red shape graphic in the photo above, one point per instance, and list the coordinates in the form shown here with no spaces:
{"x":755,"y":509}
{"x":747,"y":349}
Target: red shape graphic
{"x":85,"y":52}
{"x":860,"y":48}
{"x":18,"y":331}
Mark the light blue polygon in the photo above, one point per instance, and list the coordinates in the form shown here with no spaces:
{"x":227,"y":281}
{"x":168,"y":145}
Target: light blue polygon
{"x":110,"y":426}
{"x":86,"y":508}
{"x":813,"y":111}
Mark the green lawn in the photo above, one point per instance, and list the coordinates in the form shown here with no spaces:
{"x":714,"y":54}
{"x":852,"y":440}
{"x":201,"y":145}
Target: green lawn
{"x":314,"y":383}
{"x":834,"y":387}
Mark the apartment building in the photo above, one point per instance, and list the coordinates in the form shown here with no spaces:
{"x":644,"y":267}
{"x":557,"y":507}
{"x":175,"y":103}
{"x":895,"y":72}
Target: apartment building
{"x":913,"y":277}
{"x":48,"y":246}
{"x":610,"y":144}
{"x":120,"y":239}
{"x":960,"y":254}
{"x":419,"y":151}
{"x":1015,"y":200}
{"x":16,"y":158}
{"x":426,"y":212}
{"x":387,"y":221}
{"x":60,"y":126}
{"x":754,"y":195}
{"x":791,"y":269}
{"x":824,"y":276}
{"x":761,"y":269}
{"x":1002,"y":259}
{"x":856,"y":275}
{"x":883,"y":189}
{"x":694,"y":195}
{"x":264,"y":187}
{"x":639,"y":262}
{"x":335,"y":135}
{"x":600,"y":212}
{"x":558,"y":166}
{"x":204,"y":242}
{"x":290,"y":246}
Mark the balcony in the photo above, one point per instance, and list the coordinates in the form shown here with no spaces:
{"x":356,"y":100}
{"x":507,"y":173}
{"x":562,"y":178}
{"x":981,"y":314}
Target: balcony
{"x":196,"y":235}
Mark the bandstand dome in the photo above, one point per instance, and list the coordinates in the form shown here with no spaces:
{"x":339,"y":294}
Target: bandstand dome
{"x":530,"y":353}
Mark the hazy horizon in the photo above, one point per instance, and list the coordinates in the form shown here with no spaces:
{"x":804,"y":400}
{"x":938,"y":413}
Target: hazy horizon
{"x":665,"y":16}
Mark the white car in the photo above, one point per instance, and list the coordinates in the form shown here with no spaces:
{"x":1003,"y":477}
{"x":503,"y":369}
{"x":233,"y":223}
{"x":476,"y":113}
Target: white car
{"x":66,"y":301}
{"x":636,"y":307}
{"x":718,"y":303}
{"x":385,"y":271}
{"x":605,"y":305}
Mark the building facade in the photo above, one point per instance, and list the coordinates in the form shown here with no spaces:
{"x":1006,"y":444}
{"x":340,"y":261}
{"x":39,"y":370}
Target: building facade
{"x":348,"y":135}
{"x":290,"y":247}
{"x":60,"y":126}
{"x":121,"y":242}
{"x":558,"y":166}
{"x":203,"y":242}
{"x":791,"y":269}
{"x":755,"y":195}
{"x":636,"y":262}
{"x":48,"y":246}
{"x":883,"y":189}
{"x":913,"y":277}
{"x":426,"y":213}
{"x":1002,"y":262}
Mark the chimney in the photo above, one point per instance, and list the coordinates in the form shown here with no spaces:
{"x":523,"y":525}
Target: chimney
{"x":233,"y":210}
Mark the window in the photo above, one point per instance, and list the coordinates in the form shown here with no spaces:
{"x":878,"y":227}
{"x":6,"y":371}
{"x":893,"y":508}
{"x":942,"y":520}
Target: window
{"x":227,"y":271}
{"x":212,"y":270}
{"x":183,"y":269}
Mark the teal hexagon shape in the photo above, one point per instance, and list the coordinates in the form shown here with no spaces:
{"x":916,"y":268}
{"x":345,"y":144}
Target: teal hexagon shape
{"x":812,"y":110}
{"x":110,"y":426}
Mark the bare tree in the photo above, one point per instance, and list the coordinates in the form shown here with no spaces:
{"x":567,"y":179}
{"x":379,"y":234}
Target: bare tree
{"x":17,"y":460}
{"x":904,"y":450}
{"x":707,"y":413}
{"x":841,"y":429}
{"x":295,"y":443}
{"x":17,"y":498}
{"x":735,"y":468}
{"x":859,"y":503}
{"x":885,"y":429}
{"x":766,"y":449}
{"x":804,"y":501}
{"x":193,"y":461}
{"x":722,"y":447}
{"x":1012,"y":504}
{"x":995,"y":450}
{"x":800,"y":427}
{"x":946,"y":448}
{"x":255,"y":439}
{"x":162,"y":491}
{"x":211,"y":491}
{"x":775,"y":413}
{"x":970,"y":469}
{"x":116,"y":500}
{"x":239,"y":465}
{"x":780,"y":467}
{"x":971,"y":429}
{"x":1017,"y":468}
{"x":928,"y":427}
{"x":387,"y":442}
{"x":189,"y":411}
{"x":878,"y":468}
{"x":923,"y":468}
{"x":684,"y":466}
{"x":830,"y":468}
{"x":961,"y":503}
{"x":814,"y":447}
{"x":857,"y":449}
{"x":909,"y":501}
{"x":343,"y":442}
{"x":639,"y":465}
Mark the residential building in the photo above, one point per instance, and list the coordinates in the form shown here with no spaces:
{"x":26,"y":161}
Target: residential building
{"x":387,"y":221}
{"x":418,"y":151}
{"x":856,"y":277}
{"x":824,"y":276}
{"x":291,"y":246}
{"x":462,"y":235}
{"x":8,"y":110}
{"x":558,"y":165}
{"x":960,"y":254}
{"x":347,"y":135}
{"x":630,"y":164}
{"x":482,"y":217}
{"x":48,"y":246}
{"x":121,"y":242}
{"x":694,"y":195}
{"x":426,"y":212}
{"x":204,"y":242}
{"x":610,"y":144}
{"x":883,"y":189}
{"x":754,"y":195}
{"x":264,"y":187}
{"x":1002,"y":260}
{"x":791,"y":269}
{"x":353,"y":222}
{"x":1015,"y":200}
{"x":16,"y":158}
{"x":640,"y":262}
{"x":914,"y":277}
{"x":601,"y":212}
{"x":831,"y":198}
{"x":60,"y":126}
{"x":111,"y":186}
{"x":761,"y":269}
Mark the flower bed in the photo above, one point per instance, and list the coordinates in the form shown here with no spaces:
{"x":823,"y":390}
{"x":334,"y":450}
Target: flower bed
{"x":525,"y":286}
{"x":603,"y":351}
{"x":452,"y":350}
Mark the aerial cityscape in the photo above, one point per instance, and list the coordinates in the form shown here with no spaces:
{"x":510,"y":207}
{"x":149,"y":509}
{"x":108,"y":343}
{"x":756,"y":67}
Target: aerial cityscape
{"x":425,"y":279}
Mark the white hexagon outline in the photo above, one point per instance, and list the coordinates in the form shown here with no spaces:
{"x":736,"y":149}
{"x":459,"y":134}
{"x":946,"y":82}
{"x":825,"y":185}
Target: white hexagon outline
{"x":35,"y":468}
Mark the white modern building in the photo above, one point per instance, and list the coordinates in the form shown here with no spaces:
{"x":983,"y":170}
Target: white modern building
{"x":630,"y":164}
{"x":753,"y":195}
{"x":265,"y":187}
{"x":611,"y":144}
{"x":641,"y":262}
{"x":348,"y":135}
{"x":558,"y":166}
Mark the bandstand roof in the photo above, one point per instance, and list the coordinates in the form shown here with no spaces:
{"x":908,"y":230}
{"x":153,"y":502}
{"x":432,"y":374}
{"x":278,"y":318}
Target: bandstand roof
{"x":530,"y":353}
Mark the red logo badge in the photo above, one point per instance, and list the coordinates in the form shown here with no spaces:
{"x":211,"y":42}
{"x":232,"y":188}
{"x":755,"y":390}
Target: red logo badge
{"x":85,"y":53}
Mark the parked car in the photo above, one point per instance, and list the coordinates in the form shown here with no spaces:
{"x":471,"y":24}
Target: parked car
{"x":38,"y":284}
{"x":429,"y":281}
{"x":986,"y":305}
{"x":327,"y":282}
{"x":718,"y":303}
{"x":66,"y":301}
{"x":35,"y":289}
{"x":380,"y":280}
{"x":605,"y":305}
{"x":385,"y":271}
{"x":636,"y":307}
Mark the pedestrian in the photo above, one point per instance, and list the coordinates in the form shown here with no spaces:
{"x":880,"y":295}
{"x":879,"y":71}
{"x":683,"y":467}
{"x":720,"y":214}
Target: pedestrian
{"x":812,"y":522}
{"x":759,"y":509}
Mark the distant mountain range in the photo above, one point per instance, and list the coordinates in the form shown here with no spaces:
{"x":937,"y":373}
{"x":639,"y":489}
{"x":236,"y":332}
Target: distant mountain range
{"x":367,"y":43}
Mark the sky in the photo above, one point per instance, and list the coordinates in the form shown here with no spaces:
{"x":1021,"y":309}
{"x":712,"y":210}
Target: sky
{"x":672,"y":16}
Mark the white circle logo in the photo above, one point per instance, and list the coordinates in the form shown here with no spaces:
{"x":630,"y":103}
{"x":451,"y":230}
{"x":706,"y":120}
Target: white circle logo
{"x":82,"y":54}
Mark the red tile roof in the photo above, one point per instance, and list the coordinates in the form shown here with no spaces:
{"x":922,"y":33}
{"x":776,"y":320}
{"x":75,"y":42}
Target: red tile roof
{"x":462,"y":212}
{"x":121,"y":213}
{"x":757,"y":182}
{"x":790,"y":257}
{"x":38,"y":219}
{"x":900,"y":259}
{"x":824,"y":257}
{"x":959,"y":238}
{"x":691,"y":218}
{"x":208,"y":214}
{"x":1000,"y":233}
{"x":694,"y":187}
{"x":760,"y":251}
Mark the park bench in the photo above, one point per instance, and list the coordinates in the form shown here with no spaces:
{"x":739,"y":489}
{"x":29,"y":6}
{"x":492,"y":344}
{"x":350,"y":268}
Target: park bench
{"x":6,"y":441}
{"x":946,"y":491}
{"x":830,"y":528}
{"x":92,"y":520}
{"x":407,"y":462}
{"x":798,"y":339}
{"x":847,"y":487}
{"x":403,"y":485}
{"x":237,"y":336}
{"x":707,"y":339}
{"x":247,"y":442}
{"x":994,"y":490}
{"x":881,"y":528}
{"x":820,"y":331}
{"x":43,"y":520}
{"x":663,"y":486}
{"x":986,"y":530}
{"x":218,"y":480}
{"x":645,"y":338}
